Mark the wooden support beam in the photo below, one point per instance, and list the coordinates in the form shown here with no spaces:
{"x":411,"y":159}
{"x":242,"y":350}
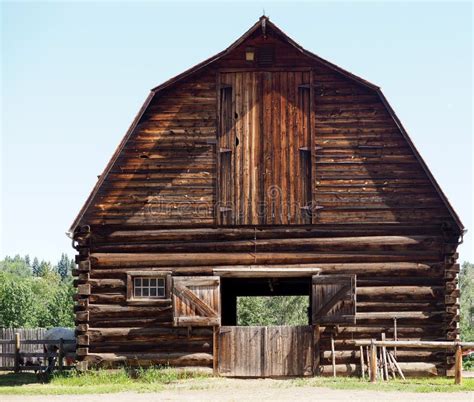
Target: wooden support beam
{"x":416,"y":344}
{"x":458,"y":365}
{"x":265,"y":272}
{"x":333,"y":357}
{"x":373,"y":361}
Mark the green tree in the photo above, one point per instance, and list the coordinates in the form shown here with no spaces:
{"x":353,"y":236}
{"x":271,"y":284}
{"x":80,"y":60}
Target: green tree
{"x":63,"y":266}
{"x":16,"y":265}
{"x":17,"y":301}
{"x":36,"y":297}
{"x":466,"y":286}
{"x":35,"y":267}
{"x":274,"y":310}
{"x":45,"y":268}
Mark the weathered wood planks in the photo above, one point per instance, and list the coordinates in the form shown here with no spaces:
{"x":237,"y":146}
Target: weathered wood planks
{"x":279,"y":351}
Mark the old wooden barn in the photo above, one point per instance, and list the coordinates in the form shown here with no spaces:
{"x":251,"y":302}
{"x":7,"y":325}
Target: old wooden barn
{"x":265,"y":170}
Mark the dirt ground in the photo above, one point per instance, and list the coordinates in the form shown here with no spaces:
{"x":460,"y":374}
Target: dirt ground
{"x":252,"y":390}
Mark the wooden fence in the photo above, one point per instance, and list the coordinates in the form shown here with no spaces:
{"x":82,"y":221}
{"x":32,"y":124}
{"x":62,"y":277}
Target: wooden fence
{"x":8,"y":334}
{"x":25,"y":344}
{"x":377,"y":370}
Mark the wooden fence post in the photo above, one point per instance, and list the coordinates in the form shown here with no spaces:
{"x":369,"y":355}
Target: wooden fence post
{"x":61,"y":354}
{"x":17,"y":352}
{"x":458,"y":365}
{"x":333,"y":356}
{"x":316,"y":350}
{"x":373,"y":361}
{"x":395,"y":335}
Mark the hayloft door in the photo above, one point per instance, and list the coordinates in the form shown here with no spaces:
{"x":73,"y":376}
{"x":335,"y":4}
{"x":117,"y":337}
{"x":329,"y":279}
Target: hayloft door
{"x":264,"y":147}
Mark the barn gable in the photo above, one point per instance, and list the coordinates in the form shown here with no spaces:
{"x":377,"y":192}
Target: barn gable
{"x":364,"y":167}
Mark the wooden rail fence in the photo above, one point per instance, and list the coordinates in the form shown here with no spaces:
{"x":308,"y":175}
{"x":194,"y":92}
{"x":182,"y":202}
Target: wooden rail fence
{"x":456,"y":346}
{"x":16,"y":348}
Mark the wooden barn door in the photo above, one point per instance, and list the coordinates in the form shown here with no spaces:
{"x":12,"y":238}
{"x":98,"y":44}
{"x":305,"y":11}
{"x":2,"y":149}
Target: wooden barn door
{"x":279,"y":351}
{"x":334,"y":299}
{"x":239,"y":148}
{"x":264,"y":147}
{"x":196,"y":301}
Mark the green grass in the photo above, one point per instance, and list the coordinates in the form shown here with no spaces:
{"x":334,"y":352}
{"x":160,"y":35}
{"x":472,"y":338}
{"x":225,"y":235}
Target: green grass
{"x":98,"y":381}
{"x":160,"y":378}
{"x":428,"y":384}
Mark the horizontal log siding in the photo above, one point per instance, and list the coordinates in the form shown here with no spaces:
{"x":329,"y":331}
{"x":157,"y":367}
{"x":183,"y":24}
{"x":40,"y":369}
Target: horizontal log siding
{"x":400,"y":274}
{"x":365,"y":171}
{"x":167,"y":170}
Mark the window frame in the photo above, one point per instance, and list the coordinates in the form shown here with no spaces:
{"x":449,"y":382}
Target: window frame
{"x":131,"y":299}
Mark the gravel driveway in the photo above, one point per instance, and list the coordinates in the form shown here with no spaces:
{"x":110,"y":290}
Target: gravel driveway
{"x":252,"y":390}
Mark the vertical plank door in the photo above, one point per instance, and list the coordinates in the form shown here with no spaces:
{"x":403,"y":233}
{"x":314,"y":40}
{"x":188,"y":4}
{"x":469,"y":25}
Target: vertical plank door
{"x":334,"y":299}
{"x":256,"y":351}
{"x":264,"y":147}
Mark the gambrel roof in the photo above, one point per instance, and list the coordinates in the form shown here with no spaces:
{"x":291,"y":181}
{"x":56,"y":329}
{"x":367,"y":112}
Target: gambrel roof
{"x":264,"y":25}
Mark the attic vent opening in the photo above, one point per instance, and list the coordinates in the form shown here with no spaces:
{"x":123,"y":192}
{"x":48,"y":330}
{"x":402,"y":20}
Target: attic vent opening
{"x":265,"y":56}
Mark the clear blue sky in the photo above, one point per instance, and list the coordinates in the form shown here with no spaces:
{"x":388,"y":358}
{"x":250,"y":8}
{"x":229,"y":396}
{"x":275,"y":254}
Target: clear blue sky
{"x":75,"y":74}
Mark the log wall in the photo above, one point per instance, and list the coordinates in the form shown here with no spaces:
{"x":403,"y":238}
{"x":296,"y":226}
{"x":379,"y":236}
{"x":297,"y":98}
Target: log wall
{"x":401,"y":274}
{"x":167,"y":170}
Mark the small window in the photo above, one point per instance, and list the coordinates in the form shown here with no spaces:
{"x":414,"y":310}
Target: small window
{"x":148,"y":286}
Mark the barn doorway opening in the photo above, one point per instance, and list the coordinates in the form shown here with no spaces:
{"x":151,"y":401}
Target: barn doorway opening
{"x":273,"y":310}
{"x":265,"y":301}
{"x":266,"y":329}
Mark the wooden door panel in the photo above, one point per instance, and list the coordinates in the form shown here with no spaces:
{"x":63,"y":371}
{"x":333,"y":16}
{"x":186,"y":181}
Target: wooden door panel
{"x":240,"y":352}
{"x":288,"y":351}
{"x":334,"y":299}
{"x":196,"y":301}
{"x":239,"y":148}
{"x":265,"y":148}
{"x":287,"y":146}
{"x":256,"y":351}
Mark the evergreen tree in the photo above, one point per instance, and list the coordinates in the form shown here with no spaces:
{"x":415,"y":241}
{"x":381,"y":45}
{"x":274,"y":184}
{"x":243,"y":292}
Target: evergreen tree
{"x":36,"y":267}
{"x":45,"y":268}
{"x":63,"y":266}
{"x":27,"y":260}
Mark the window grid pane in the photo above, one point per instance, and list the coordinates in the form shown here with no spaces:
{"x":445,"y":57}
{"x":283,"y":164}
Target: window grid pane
{"x":153,"y":288}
